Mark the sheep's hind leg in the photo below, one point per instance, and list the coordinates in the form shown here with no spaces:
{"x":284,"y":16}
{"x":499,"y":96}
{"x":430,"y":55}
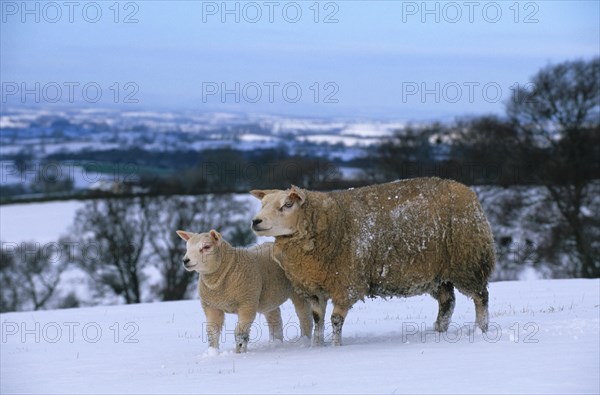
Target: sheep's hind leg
{"x":318,"y":306}
{"x":337,"y":321}
{"x":446,"y":302}
{"x":481,"y":309}
{"x":275,"y":324}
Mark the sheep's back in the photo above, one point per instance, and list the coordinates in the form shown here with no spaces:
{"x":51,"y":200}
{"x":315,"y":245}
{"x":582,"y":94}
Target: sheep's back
{"x":407,"y":236}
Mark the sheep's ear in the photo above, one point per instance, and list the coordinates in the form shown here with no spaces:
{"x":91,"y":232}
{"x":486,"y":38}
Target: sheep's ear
{"x":184,"y":235}
{"x":257,"y":193}
{"x":297,"y":194}
{"x":216,"y":236}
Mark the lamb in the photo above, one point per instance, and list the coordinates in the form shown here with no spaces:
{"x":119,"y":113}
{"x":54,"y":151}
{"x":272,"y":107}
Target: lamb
{"x":404,"y":238}
{"x":241,"y":281}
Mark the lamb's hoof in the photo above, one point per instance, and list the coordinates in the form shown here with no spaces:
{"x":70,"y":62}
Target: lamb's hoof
{"x":317,"y":342}
{"x":241,"y":348}
{"x":336,"y":341}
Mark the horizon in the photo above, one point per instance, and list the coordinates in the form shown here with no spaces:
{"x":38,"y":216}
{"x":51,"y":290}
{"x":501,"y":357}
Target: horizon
{"x":413,"y":61}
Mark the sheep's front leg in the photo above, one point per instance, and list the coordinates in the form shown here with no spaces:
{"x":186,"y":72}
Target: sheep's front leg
{"x":318,"y":306}
{"x":275,"y":324}
{"x":337,"y":321}
{"x":303,"y":311}
{"x":242,"y":329}
{"x":214,"y":324}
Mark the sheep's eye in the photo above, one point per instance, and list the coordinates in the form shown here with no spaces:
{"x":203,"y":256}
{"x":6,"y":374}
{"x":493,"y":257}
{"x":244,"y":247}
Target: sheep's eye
{"x":205,"y":248}
{"x":287,"y":204}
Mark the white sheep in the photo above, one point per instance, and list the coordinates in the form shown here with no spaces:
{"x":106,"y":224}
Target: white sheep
{"x":240,"y":281}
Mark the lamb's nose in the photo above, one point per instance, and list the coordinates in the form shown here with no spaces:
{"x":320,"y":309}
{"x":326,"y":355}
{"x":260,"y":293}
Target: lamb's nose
{"x":186,"y":261}
{"x":255,"y":222}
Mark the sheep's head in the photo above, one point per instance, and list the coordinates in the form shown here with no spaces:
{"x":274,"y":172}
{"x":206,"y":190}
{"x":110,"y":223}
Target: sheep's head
{"x":280,"y":213}
{"x":202,"y":253}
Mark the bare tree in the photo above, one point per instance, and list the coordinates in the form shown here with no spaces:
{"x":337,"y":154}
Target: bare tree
{"x":29,"y":274}
{"x":558,"y":118}
{"x":484,"y":149}
{"x":10,"y":290}
{"x":408,"y":151}
{"x":114,"y":234}
{"x":195,"y":214}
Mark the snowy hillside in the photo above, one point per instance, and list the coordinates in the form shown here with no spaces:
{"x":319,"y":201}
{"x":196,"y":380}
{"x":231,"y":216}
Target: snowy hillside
{"x":544,"y":338}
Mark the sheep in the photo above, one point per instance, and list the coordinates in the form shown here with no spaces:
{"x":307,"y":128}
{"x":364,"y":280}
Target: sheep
{"x":241,"y":281}
{"x":404,"y":238}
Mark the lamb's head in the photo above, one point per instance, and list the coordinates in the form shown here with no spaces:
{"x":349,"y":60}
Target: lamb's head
{"x":281,"y":211}
{"x":203,"y":253}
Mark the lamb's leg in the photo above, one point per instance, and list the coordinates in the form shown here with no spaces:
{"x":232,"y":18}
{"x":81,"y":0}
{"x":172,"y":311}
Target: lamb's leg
{"x":214,"y":324}
{"x":303,"y":311}
{"x":446,"y":301}
{"x":318,"y":306}
{"x":275,"y":324}
{"x":242,"y":329}
{"x":337,"y":321}
{"x":481,"y":309}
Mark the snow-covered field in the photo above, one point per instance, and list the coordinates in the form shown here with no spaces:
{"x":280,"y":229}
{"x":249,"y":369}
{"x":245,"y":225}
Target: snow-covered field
{"x":544,"y":338}
{"x":40,"y":222}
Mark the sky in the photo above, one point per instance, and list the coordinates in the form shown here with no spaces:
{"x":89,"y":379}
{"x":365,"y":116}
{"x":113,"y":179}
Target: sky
{"x":353,"y":59}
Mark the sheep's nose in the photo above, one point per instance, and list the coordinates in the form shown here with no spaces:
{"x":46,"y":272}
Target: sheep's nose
{"x":186,"y":261}
{"x":255,"y":222}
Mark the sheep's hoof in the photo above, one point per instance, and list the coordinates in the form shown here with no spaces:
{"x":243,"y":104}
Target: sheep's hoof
{"x":441,"y":326}
{"x":337,"y":340}
{"x":483,"y":326}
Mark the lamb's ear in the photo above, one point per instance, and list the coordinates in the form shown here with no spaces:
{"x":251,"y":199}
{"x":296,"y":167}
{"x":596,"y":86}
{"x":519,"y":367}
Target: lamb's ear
{"x":184,"y":235}
{"x":297,"y":194}
{"x":216,"y":236}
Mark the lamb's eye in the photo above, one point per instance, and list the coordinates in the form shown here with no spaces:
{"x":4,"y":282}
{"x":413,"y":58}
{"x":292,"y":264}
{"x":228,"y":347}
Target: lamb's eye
{"x":205,"y":248}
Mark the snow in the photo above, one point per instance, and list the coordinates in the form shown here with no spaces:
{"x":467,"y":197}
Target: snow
{"x":543,"y":338}
{"x":42,"y":222}
{"x":335,"y":139}
{"x":46,"y":222}
{"x":372,"y":129}
{"x":352,"y":173}
{"x":7,"y":122}
{"x":249,"y":137}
